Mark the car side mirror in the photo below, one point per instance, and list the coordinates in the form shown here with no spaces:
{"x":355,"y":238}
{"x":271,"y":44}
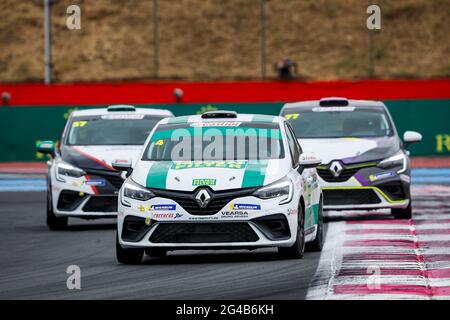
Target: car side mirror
{"x":309,"y":161}
{"x":123,"y":165}
{"x":411,"y":137}
{"x":46,"y":147}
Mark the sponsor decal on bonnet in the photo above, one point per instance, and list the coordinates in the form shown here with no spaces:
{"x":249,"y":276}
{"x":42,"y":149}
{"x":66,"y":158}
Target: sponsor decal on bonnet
{"x":204,"y":182}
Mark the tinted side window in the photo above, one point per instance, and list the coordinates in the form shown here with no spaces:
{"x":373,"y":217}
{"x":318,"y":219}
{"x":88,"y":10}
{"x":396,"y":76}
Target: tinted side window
{"x":293,"y":146}
{"x":295,"y":139}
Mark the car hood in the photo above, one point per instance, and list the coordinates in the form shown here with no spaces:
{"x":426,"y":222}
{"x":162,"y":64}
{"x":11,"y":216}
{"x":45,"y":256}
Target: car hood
{"x":351,"y":150}
{"x":98,"y":157}
{"x":218,"y":175}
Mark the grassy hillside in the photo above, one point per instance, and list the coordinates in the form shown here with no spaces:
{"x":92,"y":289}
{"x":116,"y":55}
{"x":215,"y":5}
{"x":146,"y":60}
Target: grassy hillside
{"x":217,"y":39}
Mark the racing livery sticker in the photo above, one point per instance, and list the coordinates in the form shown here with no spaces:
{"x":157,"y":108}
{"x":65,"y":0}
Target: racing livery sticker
{"x":234,"y":214}
{"x":216,"y":124}
{"x":179,"y":165}
{"x":95,"y":182}
{"x":162,"y":207}
{"x":383,"y":175}
{"x":204,"y":182}
{"x":244,"y":206}
{"x":167,"y":215}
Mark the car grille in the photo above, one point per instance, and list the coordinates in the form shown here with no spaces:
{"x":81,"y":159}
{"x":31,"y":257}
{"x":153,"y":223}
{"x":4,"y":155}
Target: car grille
{"x":350,"y":197}
{"x":101,"y":204}
{"x":203,"y":233}
{"x":218,"y":200}
{"x":346,"y":174}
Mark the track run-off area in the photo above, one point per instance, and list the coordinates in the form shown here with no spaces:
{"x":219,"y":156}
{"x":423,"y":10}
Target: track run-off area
{"x":366,"y":256}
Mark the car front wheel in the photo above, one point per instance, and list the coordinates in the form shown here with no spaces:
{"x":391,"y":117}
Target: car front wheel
{"x":54,"y":222}
{"x":297,"y":250}
{"x":128,"y":256}
{"x":403,"y":213}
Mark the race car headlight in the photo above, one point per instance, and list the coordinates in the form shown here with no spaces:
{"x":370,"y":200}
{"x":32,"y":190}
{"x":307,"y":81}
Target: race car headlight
{"x":281,"y":188}
{"x":134,"y":191}
{"x":398,"y":160}
{"x":66,"y":169}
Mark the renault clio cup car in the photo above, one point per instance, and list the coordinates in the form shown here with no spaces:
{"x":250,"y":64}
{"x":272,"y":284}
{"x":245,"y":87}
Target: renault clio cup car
{"x":220,"y":180}
{"x":365,"y":165}
{"x":81,"y":181}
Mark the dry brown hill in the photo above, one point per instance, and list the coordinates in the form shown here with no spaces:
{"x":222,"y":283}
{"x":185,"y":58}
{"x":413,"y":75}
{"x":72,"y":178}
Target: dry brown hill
{"x":220,"y":39}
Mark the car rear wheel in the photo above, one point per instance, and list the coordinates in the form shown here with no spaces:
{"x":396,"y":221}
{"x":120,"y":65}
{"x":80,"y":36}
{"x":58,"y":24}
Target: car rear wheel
{"x":156,"y":252}
{"x":297,"y":250}
{"x":403,"y":213}
{"x":53,"y":222}
{"x":128,"y":256}
{"x":317,"y":244}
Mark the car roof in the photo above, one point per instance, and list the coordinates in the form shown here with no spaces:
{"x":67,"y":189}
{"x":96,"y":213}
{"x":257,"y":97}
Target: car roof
{"x":104,"y":111}
{"x":306,"y":105}
{"x":240,"y":117}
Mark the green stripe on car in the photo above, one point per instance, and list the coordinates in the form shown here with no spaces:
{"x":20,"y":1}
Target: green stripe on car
{"x":157,"y":175}
{"x":254,"y":174}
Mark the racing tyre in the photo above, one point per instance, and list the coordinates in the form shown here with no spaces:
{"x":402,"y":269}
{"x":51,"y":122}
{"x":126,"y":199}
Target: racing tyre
{"x":128,"y":256}
{"x":298,"y":248}
{"x":317,"y":244}
{"x":54,"y":222}
{"x":403,"y":213}
{"x":156,"y":252}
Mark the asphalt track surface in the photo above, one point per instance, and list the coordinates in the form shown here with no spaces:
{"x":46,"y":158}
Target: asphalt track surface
{"x":33,"y":263}
{"x":410,"y":258}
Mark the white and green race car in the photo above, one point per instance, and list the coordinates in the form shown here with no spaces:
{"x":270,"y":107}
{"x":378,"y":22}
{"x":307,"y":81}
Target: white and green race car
{"x":220,"y":180}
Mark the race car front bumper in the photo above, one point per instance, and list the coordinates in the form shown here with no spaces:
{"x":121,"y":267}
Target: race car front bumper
{"x":79,"y":204}
{"x":89,"y":196}
{"x":361,"y":193}
{"x":268,"y":224}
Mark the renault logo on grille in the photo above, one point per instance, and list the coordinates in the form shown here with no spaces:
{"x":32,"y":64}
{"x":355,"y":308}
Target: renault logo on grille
{"x":336,"y":168}
{"x":203,"y":198}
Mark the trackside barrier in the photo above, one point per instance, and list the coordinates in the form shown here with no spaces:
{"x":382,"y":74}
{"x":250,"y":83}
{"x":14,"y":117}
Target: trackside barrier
{"x":21,"y":127}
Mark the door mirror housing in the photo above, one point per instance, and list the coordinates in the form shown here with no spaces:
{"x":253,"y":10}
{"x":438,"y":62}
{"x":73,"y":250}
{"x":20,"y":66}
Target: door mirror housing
{"x":309,"y":161}
{"x":411,"y":137}
{"x":123,"y":165}
{"x":46,"y":147}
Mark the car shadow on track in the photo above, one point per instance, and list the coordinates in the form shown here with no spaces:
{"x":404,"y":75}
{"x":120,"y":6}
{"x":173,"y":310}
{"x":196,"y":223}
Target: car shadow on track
{"x":212,"y":256}
{"x":358,"y":216}
{"x":226,"y":256}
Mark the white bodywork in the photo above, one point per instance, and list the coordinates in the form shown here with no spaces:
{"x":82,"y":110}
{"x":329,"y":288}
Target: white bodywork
{"x":180,"y":177}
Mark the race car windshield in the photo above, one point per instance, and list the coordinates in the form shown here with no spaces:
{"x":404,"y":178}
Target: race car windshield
{"x":215,"y":141}
{"x":329,"y":122}
{"x":110,"y":130}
